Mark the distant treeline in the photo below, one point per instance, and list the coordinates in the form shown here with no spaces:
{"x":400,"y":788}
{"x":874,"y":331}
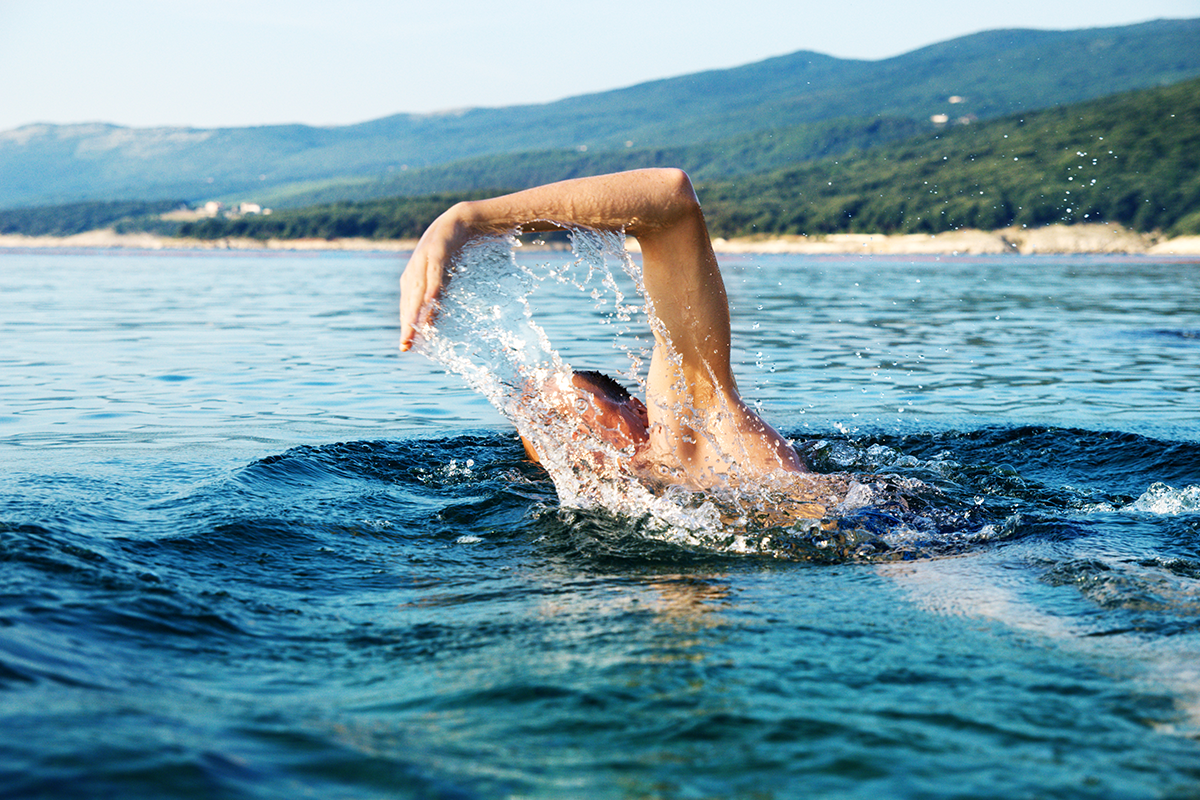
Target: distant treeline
{"x":743,"y":154}
{"x":395,"y":218}
{"x":1131,"y":159}
{"x":73,"y":218}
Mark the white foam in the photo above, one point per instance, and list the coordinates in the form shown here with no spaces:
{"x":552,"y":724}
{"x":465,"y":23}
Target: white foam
{"x":1163,"y":499}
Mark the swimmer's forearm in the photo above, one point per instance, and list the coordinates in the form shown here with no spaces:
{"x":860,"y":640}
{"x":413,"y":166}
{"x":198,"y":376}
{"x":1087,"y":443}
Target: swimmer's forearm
{"x":637,"y":202}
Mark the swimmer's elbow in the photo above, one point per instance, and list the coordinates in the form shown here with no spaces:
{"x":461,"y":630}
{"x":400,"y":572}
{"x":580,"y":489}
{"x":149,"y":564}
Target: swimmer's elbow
{"x":674,"y":177}
{"x":675,"y":196}
{"x":678,"y":186}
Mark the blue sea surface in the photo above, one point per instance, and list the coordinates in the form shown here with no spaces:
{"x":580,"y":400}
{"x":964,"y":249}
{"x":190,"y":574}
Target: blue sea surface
{"x":247,"y":549}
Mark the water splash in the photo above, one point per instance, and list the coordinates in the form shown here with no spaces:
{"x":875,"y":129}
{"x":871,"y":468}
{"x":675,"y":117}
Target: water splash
{"x":1166,"y":500}
{"x":485,"y":331}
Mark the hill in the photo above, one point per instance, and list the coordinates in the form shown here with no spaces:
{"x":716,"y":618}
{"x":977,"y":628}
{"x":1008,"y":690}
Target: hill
{"x":1131,"y":159}
{"x":992,"y":74}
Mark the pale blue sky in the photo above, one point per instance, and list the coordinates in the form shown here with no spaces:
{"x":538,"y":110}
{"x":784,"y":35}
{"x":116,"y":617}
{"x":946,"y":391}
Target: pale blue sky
{"x":209,"y":63}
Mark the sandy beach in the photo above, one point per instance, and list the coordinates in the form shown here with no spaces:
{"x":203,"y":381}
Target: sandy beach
{"x":1097,"y":238}
{"x":1024,"y":241}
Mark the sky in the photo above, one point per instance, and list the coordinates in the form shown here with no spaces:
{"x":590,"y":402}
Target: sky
{"x":230,"y":63}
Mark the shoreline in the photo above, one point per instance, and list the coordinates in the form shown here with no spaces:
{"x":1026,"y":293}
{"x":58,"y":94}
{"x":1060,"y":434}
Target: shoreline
{"x":1052,"y":239}
{"x":1087,"y":239}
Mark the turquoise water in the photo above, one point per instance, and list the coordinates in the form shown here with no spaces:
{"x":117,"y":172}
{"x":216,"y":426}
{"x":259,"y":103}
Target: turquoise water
{"x":249,"y":550}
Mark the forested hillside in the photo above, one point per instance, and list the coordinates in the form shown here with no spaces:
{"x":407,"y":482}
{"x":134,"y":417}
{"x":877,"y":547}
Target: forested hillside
{"x":989,"y":75}
{"x":744,"y":154}
{"x":1132,"y":159}
{"x":72,"y":218}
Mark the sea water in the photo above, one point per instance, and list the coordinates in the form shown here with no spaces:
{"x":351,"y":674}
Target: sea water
{"x":249,"y":550}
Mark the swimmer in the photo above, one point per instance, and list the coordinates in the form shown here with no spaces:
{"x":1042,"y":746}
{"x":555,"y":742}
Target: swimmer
{"x":693,"y":425}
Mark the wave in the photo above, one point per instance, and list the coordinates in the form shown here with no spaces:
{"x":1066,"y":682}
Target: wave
{"x":907,"y":496}
{"x":911,"y":496}
{"x":1163,"y":499}
{"x":891,"y":497}
{"x":229,"y":562}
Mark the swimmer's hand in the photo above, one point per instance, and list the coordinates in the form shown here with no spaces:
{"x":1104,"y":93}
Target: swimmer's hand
{"x":428,"y":270}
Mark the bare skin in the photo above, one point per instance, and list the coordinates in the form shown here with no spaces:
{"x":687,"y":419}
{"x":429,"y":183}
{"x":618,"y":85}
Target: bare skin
{"x":696,"y":426}
{"x":621,"y":422}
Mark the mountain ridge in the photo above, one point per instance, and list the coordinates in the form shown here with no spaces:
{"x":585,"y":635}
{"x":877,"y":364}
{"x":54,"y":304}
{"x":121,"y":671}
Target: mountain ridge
{"x":995,"y":72}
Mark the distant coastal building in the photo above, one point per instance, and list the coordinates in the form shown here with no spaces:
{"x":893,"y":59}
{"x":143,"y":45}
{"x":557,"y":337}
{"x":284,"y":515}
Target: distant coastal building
{"x":215,"y":208}
{"x":944,"y":119}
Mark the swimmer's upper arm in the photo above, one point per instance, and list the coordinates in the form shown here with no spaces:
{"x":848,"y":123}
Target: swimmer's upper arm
{"x":684,"y":285}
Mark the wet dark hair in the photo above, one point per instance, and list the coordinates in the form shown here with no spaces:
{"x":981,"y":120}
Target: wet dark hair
{"x":602,"y":381}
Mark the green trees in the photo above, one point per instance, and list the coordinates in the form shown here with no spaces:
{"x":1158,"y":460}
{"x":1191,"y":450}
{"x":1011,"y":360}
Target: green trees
{"x":73,"y":218}
{"x":1133,"y":159}
{"x":396,"y":218}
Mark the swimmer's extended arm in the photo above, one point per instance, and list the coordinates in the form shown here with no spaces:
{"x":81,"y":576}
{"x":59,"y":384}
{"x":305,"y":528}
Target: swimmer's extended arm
{"x":657,"y":206}
{"x":690,"y":368}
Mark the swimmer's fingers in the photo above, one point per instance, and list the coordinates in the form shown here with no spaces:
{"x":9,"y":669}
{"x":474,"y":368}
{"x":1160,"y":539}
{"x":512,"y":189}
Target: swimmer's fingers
{"x":426,"y":274}
{"x":420,"y":285}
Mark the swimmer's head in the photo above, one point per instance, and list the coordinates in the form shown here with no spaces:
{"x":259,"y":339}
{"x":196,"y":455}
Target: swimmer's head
{"x":607,"y":410}
{"x":616,"y":415}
